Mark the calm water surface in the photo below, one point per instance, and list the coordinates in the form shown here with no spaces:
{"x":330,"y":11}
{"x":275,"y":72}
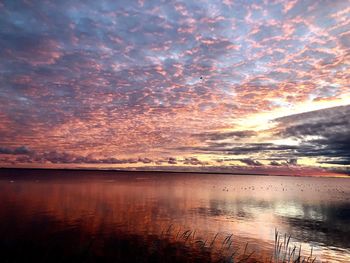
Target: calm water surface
{"x":314,"y":211}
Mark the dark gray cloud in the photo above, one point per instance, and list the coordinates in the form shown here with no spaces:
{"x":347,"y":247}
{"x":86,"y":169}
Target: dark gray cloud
{"x":193,"y":161}
{"x":275,"y":163}
{"x":243,"y":148}
{"x":56,"y":157}
{"x":217,"y":136}
{"x":18,"y":150}
{"x":251,"y":162}
{"x":324,"y":134}
{"x":292,"y":161}
{"x":172,"y":160}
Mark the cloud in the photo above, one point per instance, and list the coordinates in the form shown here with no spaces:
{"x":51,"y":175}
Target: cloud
{"x":217,"y":136}
{"x":339,"y":161}
{"x":172,"y":160}
{"x":145,"y":160}
{"x":56,"y":157}
{"x":324,"y":134}
{"x":123,"y":78}
{"x":242,"y":148}
{"x":274,"y":163}
{"x":193,"y":161}
{"x":251,"y":162}
{"x":19,"y":150}
{"x":293,"y":161}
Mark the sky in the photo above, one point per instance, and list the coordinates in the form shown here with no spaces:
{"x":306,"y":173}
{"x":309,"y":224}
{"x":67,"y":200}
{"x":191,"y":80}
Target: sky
{"x":204,"y":85}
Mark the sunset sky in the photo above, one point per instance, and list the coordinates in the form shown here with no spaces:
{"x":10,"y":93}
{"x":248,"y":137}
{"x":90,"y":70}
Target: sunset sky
{"x":220,"y":85}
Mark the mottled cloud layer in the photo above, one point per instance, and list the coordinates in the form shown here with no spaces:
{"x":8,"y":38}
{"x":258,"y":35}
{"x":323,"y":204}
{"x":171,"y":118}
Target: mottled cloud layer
{"x":175,"y":82}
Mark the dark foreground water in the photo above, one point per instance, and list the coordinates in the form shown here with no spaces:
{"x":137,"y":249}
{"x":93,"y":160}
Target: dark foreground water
{"x":65,"y":216}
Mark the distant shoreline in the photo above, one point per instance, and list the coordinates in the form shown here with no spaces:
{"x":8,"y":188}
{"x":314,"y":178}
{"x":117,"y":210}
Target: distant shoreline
{"x":24,"y":169}
{"x":125,"y":171}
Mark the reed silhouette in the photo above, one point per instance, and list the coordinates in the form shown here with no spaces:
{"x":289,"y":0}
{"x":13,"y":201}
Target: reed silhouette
{"x":173,"y":245}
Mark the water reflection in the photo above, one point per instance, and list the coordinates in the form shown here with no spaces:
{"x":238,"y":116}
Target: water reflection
{"x":315,"y":211}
